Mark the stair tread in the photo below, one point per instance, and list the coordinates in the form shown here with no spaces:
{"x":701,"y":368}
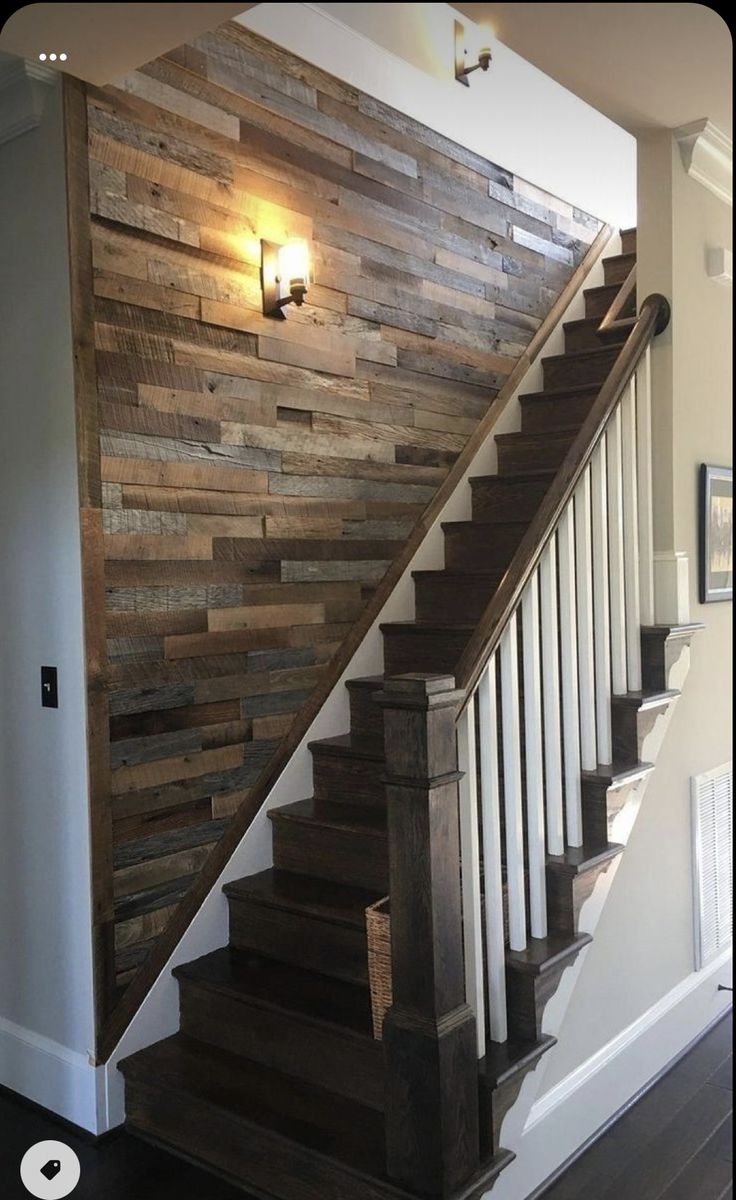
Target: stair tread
{"x":571,"y":391}
{"x":326,"y":1123}
{"x":578,"y":859}
{"x":591,"y":353}
{"x":294,"y":990}
{"x":646,"y":699}
{"x":503,"y":1060}
{"x":618,"y":773}
{"x":465,"y":525}
{"x":630,"y":256}
{"x":416,"y":627}
{"x":345,"y":745}
{"x":372,"y":682}
{"x":347,"y":817}
{"x":564,"y":433}
{"x":538,"y":473}
{"x":542,"y":954}
{"x":498,"y":573}
{"x":338,"y":903}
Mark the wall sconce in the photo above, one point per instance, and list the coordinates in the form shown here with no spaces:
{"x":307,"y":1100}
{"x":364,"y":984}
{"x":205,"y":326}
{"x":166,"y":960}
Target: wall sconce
{"x":284,"y":275}
{"x":461,"y":70}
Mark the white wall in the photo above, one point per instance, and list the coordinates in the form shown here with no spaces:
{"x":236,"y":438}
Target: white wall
{"x":46,"y":1008}
{"x":515,"y":115}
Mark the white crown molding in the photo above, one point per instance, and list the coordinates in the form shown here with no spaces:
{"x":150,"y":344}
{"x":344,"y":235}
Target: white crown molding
{"x":707,"y":156}
{"x":23,"y":88}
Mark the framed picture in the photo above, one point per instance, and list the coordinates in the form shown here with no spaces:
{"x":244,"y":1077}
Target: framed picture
{"x":716,"y":534}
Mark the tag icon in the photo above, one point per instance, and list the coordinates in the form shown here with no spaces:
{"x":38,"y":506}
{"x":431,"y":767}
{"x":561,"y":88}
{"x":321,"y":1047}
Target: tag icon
{"x":50,"y":1171}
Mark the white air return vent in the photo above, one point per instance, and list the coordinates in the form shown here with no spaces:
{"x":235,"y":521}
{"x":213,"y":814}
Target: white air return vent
{"x":712,"y":797}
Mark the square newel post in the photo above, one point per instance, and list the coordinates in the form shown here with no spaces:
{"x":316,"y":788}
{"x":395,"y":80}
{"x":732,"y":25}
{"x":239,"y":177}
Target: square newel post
{"x":429,"y":1034}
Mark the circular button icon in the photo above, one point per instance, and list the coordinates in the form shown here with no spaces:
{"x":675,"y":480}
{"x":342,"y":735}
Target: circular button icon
{"x":50,"y":1170}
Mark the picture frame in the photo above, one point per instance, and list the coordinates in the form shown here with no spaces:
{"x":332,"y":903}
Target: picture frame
{"x":716,"y":533}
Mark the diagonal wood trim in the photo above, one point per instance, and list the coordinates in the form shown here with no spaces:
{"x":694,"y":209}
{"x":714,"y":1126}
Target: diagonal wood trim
{"x":90,"y":500}
{"x":613,"y":321}
{"x":136,"y":992}
{"x":653,"y":318}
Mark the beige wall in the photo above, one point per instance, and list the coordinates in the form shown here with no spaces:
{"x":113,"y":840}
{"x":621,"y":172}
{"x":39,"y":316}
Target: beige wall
{"x":644,"y":942}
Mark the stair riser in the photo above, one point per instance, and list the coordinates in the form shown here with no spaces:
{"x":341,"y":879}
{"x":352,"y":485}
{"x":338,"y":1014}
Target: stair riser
{"x":481,"y":547}
{"x":661,"y":661}
{"x":497,"y":499}
{"x":615,"y":270}
{"x":542,"y":454}
{"x":494,"y":1105}
{"x":601,"y":806}
{"x":566,"y":895}
{"x":628,"y":241}
{"x":599,"y":300}
{"x":366,"y":717}
{"x":631,"y":727}
{"x":255,"y":1158}
{"x":441,"y":599}
{"x":526,"y":998}
{"x":582,"y":337}
{"x":349,"y":1066}
{"x":300,"y":940}
{"x":546,"y":416}
{"x":436,"y":652}
{"x":574,"y":370}
{"x":345,"y":780}
{"x":339,"y":855}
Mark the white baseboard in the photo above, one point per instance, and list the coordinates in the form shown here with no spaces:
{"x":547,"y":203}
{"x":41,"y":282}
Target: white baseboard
{"x":573,"y":1111}
{"x":53,"y":1076}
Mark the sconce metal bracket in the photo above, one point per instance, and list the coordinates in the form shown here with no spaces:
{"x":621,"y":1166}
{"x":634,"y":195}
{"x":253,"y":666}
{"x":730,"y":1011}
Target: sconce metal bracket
{"x":270,"y":283}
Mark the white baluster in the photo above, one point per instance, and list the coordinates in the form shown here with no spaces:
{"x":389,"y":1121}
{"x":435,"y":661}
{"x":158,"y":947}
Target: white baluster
{"x":492,"y":870}
{"x":602,"y":621}
{"x":631,"y":539}
{"x":569,"y":672}
{"x":512,"y":786}
{"x":584,"y":600}
{"x":470,"y":872}
{"x":616,"y":555}
{"x":551,"y":698}
{"x":533,"y":759}
{"x":644,"y":473}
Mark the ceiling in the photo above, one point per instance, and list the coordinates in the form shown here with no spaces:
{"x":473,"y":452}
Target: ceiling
{"x":645,"y":66}
{"x":105,"y":41}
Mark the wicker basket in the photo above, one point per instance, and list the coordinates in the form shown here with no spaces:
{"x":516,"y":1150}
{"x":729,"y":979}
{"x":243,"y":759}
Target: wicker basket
{"x":378,"y":929}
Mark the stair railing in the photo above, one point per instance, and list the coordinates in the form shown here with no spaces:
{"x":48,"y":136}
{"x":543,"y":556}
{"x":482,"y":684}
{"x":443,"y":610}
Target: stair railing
{"x":570,"y":607}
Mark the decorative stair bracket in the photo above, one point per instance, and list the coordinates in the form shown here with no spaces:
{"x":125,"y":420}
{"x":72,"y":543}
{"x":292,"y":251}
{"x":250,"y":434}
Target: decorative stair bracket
{"x":429,"y":1035}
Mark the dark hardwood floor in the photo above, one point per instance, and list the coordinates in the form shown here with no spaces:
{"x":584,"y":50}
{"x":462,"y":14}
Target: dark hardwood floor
{"x":675,"y":1144}
{"x":120,"y":1167}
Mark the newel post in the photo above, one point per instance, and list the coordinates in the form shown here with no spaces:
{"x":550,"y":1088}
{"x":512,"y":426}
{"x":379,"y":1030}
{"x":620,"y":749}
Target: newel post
{"x":429,"y":1034}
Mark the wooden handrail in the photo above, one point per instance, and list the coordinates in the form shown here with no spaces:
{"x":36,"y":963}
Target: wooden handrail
{"x":653,"y":318}
{"x":613,"y":320}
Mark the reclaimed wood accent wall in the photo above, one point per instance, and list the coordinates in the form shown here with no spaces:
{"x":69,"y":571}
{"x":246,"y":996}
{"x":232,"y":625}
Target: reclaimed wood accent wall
{"x":257,"y":476}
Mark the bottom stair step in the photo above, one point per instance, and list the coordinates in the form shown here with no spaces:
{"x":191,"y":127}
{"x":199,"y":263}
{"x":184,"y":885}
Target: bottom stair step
{"x":296,"y":1021}
{"x":502,"y":1072}
{"x":271,"y":1134}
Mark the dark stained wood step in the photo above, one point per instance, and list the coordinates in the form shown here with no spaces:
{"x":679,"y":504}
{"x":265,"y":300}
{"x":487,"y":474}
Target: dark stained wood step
{"x":284,"y":1017}
{"x":628,"y":241}
{"x":454,"y":597}
{"x":502,"y":1072}
{"x":633,"y":716}
{"x":583,"y":335}
{"x":598,"y":300}
{"x":581,"y":367}
{"x":473,"y":546}
{"x":339,"y":843}
{"x":266,"y":1131}
{"x":306,"y":922}
{"x":512,"y":497}
{"x":366,"y":717}
{"x":662,"y":649}
{"x":556,"y":408}
{"x":532,"y":978}
{"x":348,"y":771}
{"x":409,"y":646}
{"x":617,"y":268}
{"x":530,"y":451}
{"x":571,"y":878}
{"x":604,"y":793}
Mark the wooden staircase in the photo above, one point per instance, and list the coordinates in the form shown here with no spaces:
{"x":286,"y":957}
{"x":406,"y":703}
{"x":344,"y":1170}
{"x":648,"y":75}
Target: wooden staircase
{"x":275,"y":1079}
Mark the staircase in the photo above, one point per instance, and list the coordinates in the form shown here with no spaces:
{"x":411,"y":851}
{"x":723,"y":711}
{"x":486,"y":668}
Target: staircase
{"x":275,"y":1080}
